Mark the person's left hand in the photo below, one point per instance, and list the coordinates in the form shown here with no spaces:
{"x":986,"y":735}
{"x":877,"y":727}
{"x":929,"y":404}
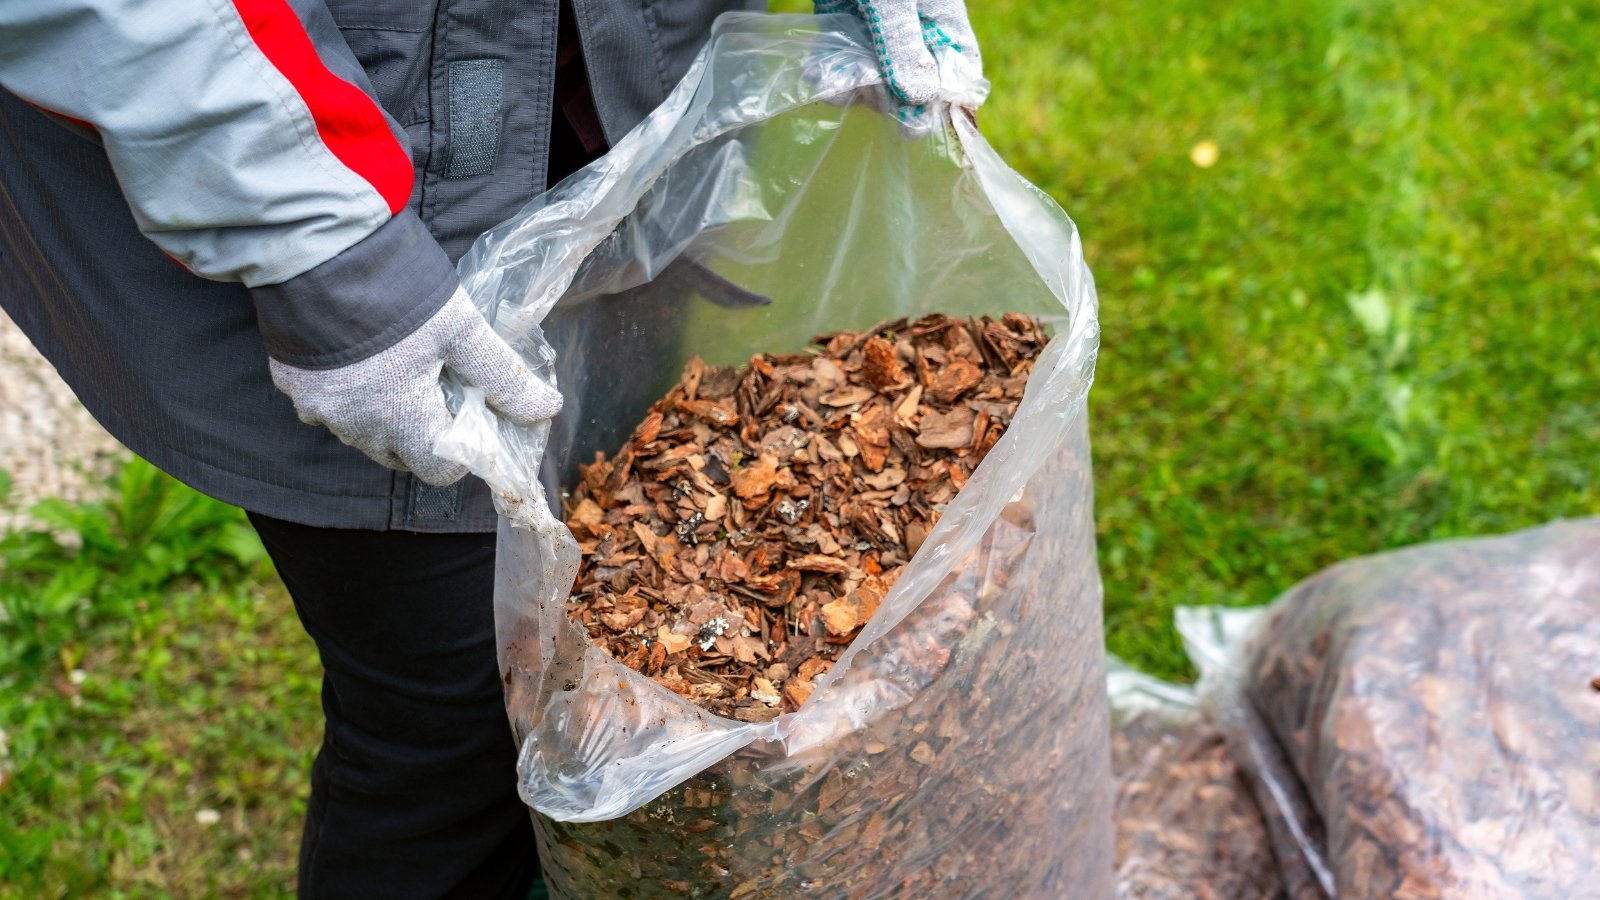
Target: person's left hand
{"x":906,"y":33}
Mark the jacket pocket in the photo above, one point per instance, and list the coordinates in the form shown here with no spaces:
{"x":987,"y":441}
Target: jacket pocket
{"x":391,"y":40}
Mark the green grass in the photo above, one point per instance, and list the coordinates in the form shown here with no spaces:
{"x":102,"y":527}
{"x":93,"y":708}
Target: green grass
{"x":1372,"y":322}
{"x":147,"y":674}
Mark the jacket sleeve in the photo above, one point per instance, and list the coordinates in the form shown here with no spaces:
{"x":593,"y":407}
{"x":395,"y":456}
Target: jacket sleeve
{"x":249,"y":146}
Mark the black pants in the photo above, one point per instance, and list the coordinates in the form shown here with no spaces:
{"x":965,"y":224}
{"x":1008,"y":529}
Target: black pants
{"x":413,"y":792}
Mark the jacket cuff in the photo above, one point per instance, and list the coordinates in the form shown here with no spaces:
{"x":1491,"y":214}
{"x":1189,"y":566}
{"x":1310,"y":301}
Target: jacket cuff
{"x":359,"y":303}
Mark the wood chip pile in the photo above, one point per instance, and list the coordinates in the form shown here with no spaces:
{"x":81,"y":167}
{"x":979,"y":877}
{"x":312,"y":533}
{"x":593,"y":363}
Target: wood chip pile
{"x":1187,"y":825}
{"x":739,"y":543}
{"x":757,"y":517}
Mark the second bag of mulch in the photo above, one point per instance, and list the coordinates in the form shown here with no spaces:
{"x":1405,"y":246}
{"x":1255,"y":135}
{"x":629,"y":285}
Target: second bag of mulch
{"x":1426,"y":723}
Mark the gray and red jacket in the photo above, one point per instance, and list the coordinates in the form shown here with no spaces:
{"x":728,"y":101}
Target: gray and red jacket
{"x":188,"y":185}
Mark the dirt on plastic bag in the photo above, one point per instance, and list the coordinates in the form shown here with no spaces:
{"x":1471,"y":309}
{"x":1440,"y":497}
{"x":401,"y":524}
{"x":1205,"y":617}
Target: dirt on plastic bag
{"x":959,"y":746}
{"x":1424,"y":723}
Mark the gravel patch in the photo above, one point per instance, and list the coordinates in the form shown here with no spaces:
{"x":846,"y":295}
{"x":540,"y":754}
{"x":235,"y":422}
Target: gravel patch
{"x":51,"y":446}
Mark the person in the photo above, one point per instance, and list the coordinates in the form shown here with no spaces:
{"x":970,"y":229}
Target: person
{"x":225,"y":221}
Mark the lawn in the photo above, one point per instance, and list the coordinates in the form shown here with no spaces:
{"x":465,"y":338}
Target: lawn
{"x":1368,"y":320}
{"x":158,"y":701}
{"x":1371,"y":322}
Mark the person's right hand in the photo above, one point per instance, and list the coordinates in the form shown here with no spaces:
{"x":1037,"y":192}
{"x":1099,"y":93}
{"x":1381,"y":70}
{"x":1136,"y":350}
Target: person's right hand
{"x":905,"y":33}
{"x":391,"y":405}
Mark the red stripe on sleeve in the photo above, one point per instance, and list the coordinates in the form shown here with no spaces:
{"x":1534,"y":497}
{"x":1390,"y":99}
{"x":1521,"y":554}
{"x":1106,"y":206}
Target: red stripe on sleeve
{"x":349,"y":122}
{"x":81,"y":123}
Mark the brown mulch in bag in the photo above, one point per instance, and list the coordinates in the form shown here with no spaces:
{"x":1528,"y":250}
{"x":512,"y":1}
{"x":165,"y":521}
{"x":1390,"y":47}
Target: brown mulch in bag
{"x":757,"y":517}
{"x":1426,"y":722}
{"x":1187,"y":825}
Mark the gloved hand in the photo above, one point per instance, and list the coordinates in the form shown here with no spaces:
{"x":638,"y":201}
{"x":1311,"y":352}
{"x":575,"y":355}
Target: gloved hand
{"x":391,"y":406}
{"x":906,"y":33}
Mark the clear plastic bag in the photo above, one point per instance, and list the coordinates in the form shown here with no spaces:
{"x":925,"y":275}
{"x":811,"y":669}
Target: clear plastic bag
{"x":959,"y":747}
{"x":1424,"y":723}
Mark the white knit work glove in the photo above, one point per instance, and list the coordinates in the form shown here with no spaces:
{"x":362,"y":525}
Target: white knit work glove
{"x":391,"y":406}
{"x":906,"y":33}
